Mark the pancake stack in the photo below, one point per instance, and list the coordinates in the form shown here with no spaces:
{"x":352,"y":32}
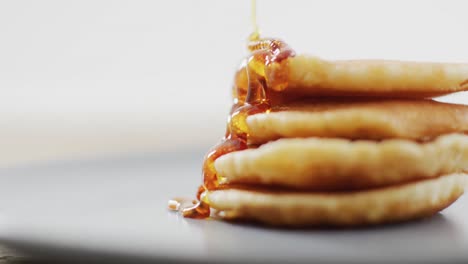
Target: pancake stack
{"x":357,"y":143}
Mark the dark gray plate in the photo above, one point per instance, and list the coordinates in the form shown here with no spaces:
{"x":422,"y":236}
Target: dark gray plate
{"x":115,"y":209}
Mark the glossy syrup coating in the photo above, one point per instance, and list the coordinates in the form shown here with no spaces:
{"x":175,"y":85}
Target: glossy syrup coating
{"x":260,"y":81}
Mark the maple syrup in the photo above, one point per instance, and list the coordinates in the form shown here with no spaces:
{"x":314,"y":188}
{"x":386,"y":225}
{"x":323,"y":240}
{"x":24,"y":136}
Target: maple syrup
{"x":263,"y":75}
{"x":253,"y":16}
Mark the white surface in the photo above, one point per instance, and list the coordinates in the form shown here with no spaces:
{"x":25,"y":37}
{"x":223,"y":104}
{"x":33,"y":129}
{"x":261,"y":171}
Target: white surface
{"x":170,"y":56}
{"x":92,"y":77}
{"x":118,"y":207}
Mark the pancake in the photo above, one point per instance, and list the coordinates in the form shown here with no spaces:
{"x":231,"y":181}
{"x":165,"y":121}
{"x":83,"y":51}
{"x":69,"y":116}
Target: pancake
{"x":313,"y":76}
{"x":387,"y":205}
{"x":363,"y":119}
{"x":340,"y":164}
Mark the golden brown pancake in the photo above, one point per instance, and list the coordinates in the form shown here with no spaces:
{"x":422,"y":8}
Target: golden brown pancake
{"x":359,"y":119}
{"x":313,"y":76}
{"x":385,"y":205}
{"x":318,"y":164}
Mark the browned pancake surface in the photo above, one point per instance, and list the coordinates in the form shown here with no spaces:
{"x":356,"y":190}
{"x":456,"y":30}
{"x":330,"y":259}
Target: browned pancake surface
{"x":393,"y":204}
{"x":359,"y":119}
{"x":314,"y":76}
{"x":318,"y":164}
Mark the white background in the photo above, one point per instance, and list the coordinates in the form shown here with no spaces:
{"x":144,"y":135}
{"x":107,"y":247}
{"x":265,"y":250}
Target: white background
{"x":90,"y":77}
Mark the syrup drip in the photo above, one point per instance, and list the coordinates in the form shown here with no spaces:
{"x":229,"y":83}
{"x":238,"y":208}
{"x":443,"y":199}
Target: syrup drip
{"x":256,"y":32}
{"x":263,"y":75}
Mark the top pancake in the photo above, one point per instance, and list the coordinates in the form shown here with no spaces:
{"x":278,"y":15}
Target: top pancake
{"x":312,"y":76}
